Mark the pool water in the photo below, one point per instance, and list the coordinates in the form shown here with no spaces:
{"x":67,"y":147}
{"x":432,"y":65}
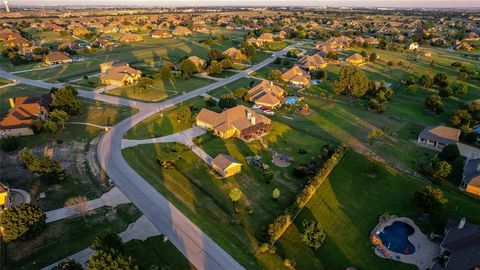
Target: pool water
{"x":291,"y":100}
{"x":395,"y":237}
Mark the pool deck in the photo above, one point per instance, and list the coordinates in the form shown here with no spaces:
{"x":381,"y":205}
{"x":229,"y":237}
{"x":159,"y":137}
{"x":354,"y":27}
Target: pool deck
{"x":425,"y":249}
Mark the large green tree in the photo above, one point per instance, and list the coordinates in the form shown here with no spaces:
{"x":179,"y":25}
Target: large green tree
{"x":65,"y":99}
{"x":429,"y":199}
{"x":22,"y":222}
{"x":434,"y":103}
{"x":47,"y":168}
{"x":111,"y":260}
{"x":187,"y":68}
{"x":352,"y":82}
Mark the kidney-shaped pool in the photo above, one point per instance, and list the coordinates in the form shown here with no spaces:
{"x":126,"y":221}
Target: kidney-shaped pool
{"x":395,"y":237}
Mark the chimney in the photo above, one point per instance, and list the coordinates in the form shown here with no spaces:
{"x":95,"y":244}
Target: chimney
{"x":12,"y":102}
{"x":462,"y":223}
{"x":249,"y":115}
{"x":252,"y":120}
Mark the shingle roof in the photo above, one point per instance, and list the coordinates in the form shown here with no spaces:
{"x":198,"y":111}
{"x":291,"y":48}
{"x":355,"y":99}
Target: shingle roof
{"x":441,"y":134}
{"x":464,"y":245}
{"x":223,"y":161}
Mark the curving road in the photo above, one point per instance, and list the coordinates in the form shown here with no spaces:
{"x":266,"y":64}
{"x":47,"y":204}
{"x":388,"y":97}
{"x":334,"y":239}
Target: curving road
{"x":197,"y":247}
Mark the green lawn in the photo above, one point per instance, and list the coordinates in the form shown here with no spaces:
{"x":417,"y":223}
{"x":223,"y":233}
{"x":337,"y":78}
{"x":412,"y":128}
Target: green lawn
{"x":348,"y":206}
{"x":160,"y":89}
{"x":63,"y":238}
{"x":229,"y":88}
{"x":204,"y":198}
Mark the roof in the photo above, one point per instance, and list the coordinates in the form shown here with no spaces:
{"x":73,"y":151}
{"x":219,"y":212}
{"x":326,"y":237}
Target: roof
{"x":312,"y":60}
{"x":24,"y":112}
{"x":471,"y":172}
{"x":3,"y":188}
{"x":239,"y":117}
{"x":463,"y":244}
{"x":57,"y":57}
{"x":117,"y":70}
{"x":295,"y":74}
{"x":196,"y":60}
{"x":441,"y":134}
{"x":223,"y":161}
{"x":266,"y":92}
{"x":356,"y":56}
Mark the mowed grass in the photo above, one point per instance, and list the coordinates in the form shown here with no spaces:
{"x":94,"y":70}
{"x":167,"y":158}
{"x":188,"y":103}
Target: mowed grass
{"x":230,"y":88}
{"x":66,"y":237}
{"x":348,"y":206}
{"x":161,"y":89}
{"x":18,"y":90}
{"x":205,"y":200}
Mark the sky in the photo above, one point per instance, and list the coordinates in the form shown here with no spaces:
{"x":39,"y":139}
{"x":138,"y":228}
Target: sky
{"x":169,"y":3}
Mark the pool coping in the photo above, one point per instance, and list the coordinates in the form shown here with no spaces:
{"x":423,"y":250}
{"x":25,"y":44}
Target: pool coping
{"x":425,"y":249}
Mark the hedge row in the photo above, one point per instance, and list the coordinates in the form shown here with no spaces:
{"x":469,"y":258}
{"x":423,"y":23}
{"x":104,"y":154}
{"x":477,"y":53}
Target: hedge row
{"x":282,"y":222}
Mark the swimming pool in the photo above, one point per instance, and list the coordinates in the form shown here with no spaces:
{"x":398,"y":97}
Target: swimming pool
{"x":395,"y":237}
{"x":291,"y":100}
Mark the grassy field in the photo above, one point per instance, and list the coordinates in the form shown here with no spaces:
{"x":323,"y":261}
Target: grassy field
{"x":160,"y":89}
{"x":348,"y":206}
{"x":63,"y":238}
{"x":204,"y":198}
{"x":229,"y":88}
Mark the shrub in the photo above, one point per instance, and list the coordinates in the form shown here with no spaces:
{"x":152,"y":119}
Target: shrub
{"x":22,"y":222}
{"x":278,"y":227}
{"x":313,"y":234}
{"x":9,"y":143}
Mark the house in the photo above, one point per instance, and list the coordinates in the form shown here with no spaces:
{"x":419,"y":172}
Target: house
{"x":266,"y":93}
{"x":439,"y":136}
{"x":129,"y":38}
{"x":4,"y":197}
{"x":161,"y":33}
{"x":355,"y":59}
{"x":240,"y":122}
{"x":80,"y":31}
{"x":460,"y":248}
{"x":55,"y":58}
{"x":265,"y":38}
{"x":463,"y":46}
{"x":226,"y":165}
{"x":181,"y":31}
{"x":199,"y":62}
{"x":118,"y":73}
{"x":413,"y":46}
{"x":471,"y":176}
{"x":296,"y":76}
{"x":199,"y":26}
{"x":312,"y":62}
{"x":235,"y":54}
{"x":24,"y":112}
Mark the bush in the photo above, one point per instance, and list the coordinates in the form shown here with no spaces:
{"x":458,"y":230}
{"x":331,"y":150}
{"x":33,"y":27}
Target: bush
{"x":313,"y":234}
{"x":278,"y":227}
{"x":22,"y":222}
{"x":9,"y":143}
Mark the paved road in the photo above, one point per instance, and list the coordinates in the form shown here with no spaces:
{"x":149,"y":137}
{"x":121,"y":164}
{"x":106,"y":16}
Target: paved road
{"x":197,"y":247}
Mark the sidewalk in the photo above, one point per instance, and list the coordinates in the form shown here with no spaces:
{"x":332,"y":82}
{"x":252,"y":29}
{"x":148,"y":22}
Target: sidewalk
{"x":112,"y":198}
{"x":141,"y":229}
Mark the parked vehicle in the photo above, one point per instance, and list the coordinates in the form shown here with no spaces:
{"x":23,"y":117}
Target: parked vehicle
{"x":269,"y":112}
{"x":256,"y":106}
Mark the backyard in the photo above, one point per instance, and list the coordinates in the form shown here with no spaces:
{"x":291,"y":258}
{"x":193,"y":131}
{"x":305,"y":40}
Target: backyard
{"x":348,"y":206}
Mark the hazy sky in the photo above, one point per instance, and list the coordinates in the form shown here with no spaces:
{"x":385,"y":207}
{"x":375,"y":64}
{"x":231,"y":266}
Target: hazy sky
{"x":359,"y":3}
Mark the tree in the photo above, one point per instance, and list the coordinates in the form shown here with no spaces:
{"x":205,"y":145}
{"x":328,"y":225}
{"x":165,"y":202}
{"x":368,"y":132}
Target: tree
{"x":374,"y":167}
{"x":59,"y":117}
{"x":9,"y":143}
{"x":425,"y":81}
{"x":241,"y":93}
{"x":429,"y":199}
{"x":313,"y":234}
{"x":215,"y":67}
{"x":434,"y":103}
{"x":235,"y":195}
{"x":110,"y":261}
{"x":187,"y":68}
{"x":65,"y":99}
{"x":441,"y":79}
{"x":227,"y":101}
{"x":22,"y":222}
{"x":107,"y":242}
{"x":352,"y":82}
{"x":47,"y":168}
{"x":449,"y":153}
{"x":275,"y":75}
{"x":166,"y":72}
{"x":441,"y":168}
{"x":68,"y":264}
{"x":78,"y":204}
{"x":249,"y":50}
{"x":374,"y":135}
{"x":184,"y":114}
{"x":215,"y":55}
{"x":445,"y":92}
{"x":460,"y":89}
{"x":276,"y":194}
{"x":373,"y":56}
{"x":144,"y":83}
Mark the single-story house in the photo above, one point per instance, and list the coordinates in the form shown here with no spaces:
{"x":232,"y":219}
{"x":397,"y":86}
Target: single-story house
{"x":355,"y":59}
{"x":240,"y":121}
{"x":118,"y":73}
{"x":312,"y":62}
{"x":235,"y":54}
{"x":471,"y":176}
{"x":161,"y":33}
{"x":129,"y":38}
{"x":266,"y":93}
{"x":439,"y":136}
{"x":199,"y":62}
{"x":226,"y":165}
{"x":181,"y":31}
{"x":296,"y":76}
{"x":460,"y":248}
{"x":55,"y":58}
{"x":266,"y":37}
{"x":22,"y":115}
